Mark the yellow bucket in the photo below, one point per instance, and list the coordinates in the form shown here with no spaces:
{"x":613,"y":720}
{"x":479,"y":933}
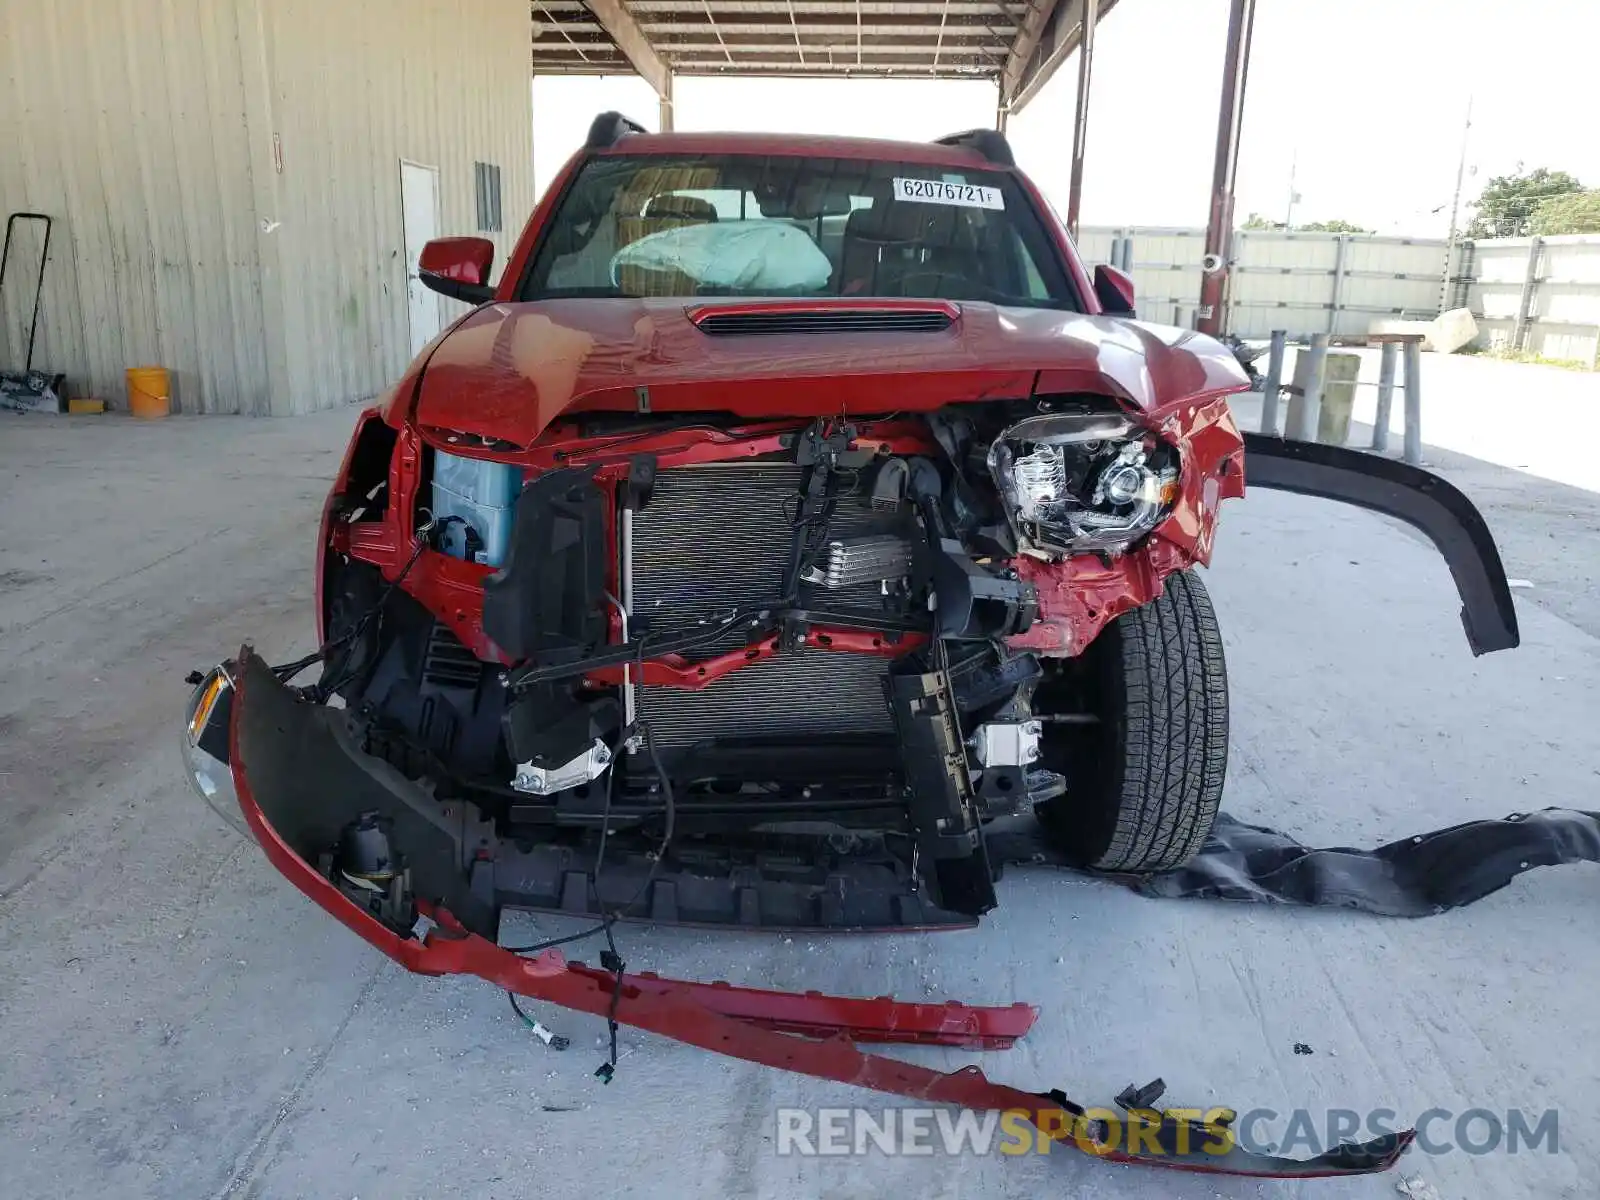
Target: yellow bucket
{"x":149,"y":392}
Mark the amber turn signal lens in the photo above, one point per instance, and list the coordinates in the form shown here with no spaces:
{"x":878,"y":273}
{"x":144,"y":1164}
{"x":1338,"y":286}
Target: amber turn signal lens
{"x":202,"y":710}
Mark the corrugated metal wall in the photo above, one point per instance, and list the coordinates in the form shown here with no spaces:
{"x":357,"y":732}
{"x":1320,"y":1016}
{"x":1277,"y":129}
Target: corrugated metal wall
{"x":153,"y":130}
{"x":359,"y":85}
{"x":125,"y":122}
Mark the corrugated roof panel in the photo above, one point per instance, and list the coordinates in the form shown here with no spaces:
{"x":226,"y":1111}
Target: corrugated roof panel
{"x":925,"y":38}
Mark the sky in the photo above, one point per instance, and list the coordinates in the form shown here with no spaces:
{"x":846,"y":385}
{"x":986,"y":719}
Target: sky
{"x":1366,"y":99}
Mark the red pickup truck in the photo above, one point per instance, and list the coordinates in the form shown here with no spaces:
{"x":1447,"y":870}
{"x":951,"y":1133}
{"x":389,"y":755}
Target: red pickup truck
{"x":790,"y":511}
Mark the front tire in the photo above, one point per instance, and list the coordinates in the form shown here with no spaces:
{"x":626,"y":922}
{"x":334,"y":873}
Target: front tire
{"x":1144,"y":783}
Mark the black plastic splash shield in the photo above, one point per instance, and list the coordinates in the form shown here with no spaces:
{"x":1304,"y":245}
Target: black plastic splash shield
{"x":1413,"y":877}
{"x":812,"y":890}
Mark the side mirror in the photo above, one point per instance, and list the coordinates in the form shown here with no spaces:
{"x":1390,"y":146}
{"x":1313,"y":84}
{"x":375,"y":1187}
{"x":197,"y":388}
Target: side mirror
{"x":458,"y":267}
{"x":1114,"y":290}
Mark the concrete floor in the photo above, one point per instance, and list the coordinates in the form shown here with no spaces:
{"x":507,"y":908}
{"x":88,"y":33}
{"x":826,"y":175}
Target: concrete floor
{"x":179,"y":1023}
{"x":1511,"y":436}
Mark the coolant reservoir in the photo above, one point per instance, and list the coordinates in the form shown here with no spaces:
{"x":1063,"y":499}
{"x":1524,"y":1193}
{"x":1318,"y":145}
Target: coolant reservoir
{"x":481,"y":493}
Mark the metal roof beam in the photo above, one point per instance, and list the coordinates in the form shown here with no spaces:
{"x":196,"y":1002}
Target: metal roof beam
{"x":1000,"y":29}
{"x":718,"y":35}
{"x":819,"y":66}
{"x":589,"y":39}
{"x":807,"y":50}
{"x":594,"y":50}
{"x":615,"y":18}
{"x":1023,"y":47}
{"x":1058,"y":35}
{"x":884,"y":8}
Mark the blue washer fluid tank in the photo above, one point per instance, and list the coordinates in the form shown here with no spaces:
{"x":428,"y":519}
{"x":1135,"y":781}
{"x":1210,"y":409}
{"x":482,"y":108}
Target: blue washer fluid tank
{"x":482,"y":493}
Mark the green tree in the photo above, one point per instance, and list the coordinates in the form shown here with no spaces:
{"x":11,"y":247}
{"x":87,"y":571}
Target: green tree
{"x":1508,"y":202}
{"x":1256,"y":221}
{"x":1575,"y":213}
{"x":1334,"y":227}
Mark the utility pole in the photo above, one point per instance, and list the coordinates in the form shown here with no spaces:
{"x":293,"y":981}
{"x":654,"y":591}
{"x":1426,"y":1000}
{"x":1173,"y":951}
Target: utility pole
{"x":1080,"y":123}
{"x":1288,"y":216}
{"x":1455,"y":209}
{"x":1211,"y":315}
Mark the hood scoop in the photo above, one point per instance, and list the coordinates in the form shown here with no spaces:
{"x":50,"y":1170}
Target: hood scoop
{"x":810,"y":317}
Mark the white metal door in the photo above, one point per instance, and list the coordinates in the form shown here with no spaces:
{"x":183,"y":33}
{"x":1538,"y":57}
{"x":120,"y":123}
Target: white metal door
{"x":419,"y":218}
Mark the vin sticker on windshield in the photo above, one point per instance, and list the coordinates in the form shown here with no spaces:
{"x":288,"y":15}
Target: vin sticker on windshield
{"x":937,"y":191}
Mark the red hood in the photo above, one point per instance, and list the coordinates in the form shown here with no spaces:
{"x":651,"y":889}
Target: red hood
{"x":508,"y":370}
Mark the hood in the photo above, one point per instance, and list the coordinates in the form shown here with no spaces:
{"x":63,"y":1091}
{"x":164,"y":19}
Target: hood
{"x":508,"y":370}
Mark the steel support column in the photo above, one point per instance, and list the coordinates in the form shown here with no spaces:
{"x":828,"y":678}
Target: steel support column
{"x":1411,"y":448}
{"x":1230,"y":117}
{"x":1385,"y":410}
{"x":666,"y":105}
{"x":1080,"y":124}
{"x":1272,"y":385}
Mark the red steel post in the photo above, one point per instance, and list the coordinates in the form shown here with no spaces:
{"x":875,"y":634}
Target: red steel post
{"x":1211,"y":316}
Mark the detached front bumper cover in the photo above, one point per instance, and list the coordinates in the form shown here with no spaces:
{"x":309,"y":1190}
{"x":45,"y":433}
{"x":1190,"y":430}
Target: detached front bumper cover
{"x":298,"y":781}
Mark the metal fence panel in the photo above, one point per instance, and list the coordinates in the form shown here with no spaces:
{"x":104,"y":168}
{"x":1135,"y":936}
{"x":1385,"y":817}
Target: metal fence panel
{"x":1540,"y":295}
{"x":1166,"y":272}
{"x":1565,"y":320}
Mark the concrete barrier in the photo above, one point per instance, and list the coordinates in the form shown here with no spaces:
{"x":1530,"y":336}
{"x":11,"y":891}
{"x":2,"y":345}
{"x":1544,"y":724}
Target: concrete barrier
{"x":1339,"y":372}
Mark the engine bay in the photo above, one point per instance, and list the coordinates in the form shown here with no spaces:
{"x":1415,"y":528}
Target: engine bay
{"x":757,"y":639}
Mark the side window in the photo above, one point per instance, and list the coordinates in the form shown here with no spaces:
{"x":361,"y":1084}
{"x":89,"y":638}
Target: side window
{"x":728,"y":204}
{"x":1037,"y":288}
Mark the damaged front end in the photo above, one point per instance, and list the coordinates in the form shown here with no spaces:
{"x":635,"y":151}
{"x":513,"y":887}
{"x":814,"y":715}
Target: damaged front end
{"x":332,"y":822}
{"x":783,"y":672}
{"x":761,"y":675}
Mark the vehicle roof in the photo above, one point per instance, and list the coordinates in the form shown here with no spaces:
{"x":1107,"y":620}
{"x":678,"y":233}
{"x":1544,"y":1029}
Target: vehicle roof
{"x":802,"y":145}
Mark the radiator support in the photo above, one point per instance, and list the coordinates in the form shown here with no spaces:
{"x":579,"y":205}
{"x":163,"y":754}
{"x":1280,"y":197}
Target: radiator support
{"x":716,"y":537}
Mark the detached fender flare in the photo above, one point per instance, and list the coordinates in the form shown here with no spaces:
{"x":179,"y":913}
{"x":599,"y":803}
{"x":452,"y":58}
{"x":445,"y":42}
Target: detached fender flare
{"x":1417,"y":497}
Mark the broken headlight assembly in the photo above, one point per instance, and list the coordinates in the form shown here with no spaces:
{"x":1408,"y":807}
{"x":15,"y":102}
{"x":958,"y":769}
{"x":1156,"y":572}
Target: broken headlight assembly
{"x":1087,"y":481}
{"x":206,"y":723}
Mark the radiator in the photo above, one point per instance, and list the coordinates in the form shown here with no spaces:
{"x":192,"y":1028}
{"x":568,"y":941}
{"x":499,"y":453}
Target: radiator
{"x":815,"y":693}
{"x":717,"y":537}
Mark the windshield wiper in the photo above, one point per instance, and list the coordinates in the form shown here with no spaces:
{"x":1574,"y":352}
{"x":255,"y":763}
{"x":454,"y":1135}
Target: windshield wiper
{"x":583,"y":293}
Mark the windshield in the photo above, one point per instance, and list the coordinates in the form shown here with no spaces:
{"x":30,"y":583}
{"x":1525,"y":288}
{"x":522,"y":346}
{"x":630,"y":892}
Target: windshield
{"x":781,"y":225}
